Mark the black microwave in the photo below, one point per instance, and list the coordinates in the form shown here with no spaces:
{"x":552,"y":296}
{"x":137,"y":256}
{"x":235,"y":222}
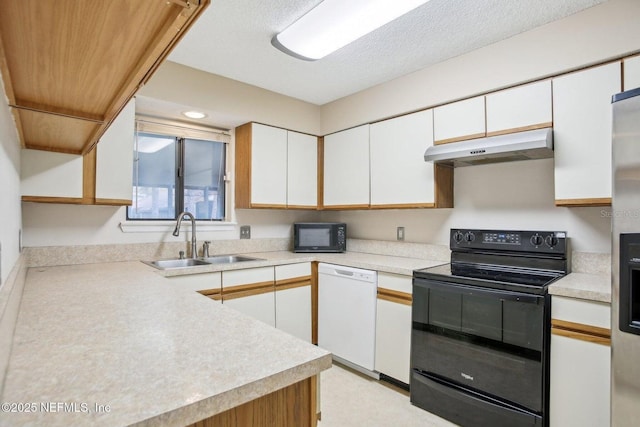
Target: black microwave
{"x":319,"y":237}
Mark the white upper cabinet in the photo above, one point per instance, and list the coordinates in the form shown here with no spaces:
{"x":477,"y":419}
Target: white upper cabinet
{"x":521,"y":108}
{"x":49,"y":174}
{"x":582,"y":135}
{"x":114,"y":159}
{"x":399,"y":174}
{"x":268,"y":165}
{"x":275,"y":168}
{"x":302,"y":170}
{"x":632,"y":72}
{"x":346,"y":168}
{"x":459,"y":121}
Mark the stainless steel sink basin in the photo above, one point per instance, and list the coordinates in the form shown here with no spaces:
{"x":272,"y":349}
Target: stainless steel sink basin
{"x":166,"y":264}
{"x":229,"y":259}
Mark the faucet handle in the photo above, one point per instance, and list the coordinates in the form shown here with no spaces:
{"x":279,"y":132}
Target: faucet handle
{"x":181,"y":254}
{"x":205,"y":248}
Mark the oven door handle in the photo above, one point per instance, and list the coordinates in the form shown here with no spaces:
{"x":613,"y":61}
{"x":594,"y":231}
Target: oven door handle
{"x":474,"y":290}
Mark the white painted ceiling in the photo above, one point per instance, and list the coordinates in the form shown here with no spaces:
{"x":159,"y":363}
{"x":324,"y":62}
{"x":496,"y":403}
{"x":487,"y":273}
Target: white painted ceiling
{"x":233,"y":39}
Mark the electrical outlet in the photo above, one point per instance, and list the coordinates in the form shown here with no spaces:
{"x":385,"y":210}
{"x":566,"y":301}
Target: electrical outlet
{"x":245,"y":231}
{"x":400,"y":233}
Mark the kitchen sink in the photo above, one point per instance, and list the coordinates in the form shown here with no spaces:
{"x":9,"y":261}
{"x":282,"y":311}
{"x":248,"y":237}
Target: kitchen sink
{"x":229,"y":259}
{"x":167,"y":264}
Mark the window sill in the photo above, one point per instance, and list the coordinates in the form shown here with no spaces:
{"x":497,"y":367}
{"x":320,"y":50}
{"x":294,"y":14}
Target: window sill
{"x":164,"y":226}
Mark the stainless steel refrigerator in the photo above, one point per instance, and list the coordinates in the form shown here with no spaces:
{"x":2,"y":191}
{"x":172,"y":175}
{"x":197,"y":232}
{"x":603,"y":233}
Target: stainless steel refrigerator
{"x":625,"y":254}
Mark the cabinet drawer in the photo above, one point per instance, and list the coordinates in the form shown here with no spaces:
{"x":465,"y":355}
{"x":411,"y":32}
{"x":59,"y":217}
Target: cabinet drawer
{"x":581,"y":311}
{"x":196,"y":282}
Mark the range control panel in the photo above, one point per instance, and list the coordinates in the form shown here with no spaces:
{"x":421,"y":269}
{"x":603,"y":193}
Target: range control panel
{"x":511,"y":240}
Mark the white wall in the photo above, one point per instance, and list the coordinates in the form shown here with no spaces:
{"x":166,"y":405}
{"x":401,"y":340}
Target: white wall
{"x":516,"y":195}
{"x":235,"y":103}
{"x":605,"y":31}
{"x":10,"y":219}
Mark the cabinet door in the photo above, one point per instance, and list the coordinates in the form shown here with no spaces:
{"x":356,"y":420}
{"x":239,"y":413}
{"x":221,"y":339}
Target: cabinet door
{"x":632,"y":72}
{"x":346,"y":168}
{"x":582,"y":135}
{"x":580,"y":363}
{"x":250,"y":291}
{"x":208,"y":284}
{"x":522,"y":108}
{"x":399,"y":175}
{"x":302,"y":170}
{"x":459,"y":121}
{"x":114,"y":159}
{"x":268,"y":166}
{"x":49,"y":174}
{"x":293,"y":299}
{"x":393,"y":326}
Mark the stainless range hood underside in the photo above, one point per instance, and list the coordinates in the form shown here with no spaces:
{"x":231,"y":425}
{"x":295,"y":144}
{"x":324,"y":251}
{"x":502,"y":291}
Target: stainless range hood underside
{"x":533,"y":144}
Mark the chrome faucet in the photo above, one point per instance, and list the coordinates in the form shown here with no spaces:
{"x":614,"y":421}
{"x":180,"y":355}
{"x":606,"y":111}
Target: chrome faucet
{"x":176,"y":232}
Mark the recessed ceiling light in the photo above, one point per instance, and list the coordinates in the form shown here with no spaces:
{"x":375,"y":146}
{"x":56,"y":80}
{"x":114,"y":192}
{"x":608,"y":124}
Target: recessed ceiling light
{"x":335,"y":23}
{"x":194,"y":114}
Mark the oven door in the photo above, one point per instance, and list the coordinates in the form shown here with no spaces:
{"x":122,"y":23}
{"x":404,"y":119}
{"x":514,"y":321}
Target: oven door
{"x":487,"y":343}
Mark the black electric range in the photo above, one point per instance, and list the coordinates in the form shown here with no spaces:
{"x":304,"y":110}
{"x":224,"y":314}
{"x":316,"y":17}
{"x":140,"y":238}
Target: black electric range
{"x":481,"y":327}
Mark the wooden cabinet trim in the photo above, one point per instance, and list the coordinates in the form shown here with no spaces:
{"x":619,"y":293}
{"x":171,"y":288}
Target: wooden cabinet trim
{"x":291,"y":406}
{"x":242,"y":291}
{"x":521,"y":129}
{"x":581,"y":332}
{"x":114,"y":202}
{"x":295,"y":282}
{"x":243,"y":166}
{"x":267,"y":206}
{"x":404,"y":206}
{"x":214,"y":294}
{"x":602,"y":201}
{"x":63,"y":200}
{"x":314,"y":302}
{"x":395,"y":296}
{"x":346,"y":207}
{"x":443,"y":181}
{"x":460,"y":138}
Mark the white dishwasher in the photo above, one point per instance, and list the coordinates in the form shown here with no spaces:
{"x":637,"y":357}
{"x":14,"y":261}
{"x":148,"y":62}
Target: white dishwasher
{"x":347,"y":315}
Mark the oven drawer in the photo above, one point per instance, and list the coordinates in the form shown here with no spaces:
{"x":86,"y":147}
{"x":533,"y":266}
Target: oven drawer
{"x":504,"y":375}
{"x":464,"y":407}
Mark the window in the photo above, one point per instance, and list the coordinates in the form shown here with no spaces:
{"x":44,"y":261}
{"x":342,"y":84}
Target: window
{"x":178,"y":169}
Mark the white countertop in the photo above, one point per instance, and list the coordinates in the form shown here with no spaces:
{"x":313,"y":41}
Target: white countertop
{"x":593,"y":287}
{"x":115,"y":335}
{"x":384,"y":263}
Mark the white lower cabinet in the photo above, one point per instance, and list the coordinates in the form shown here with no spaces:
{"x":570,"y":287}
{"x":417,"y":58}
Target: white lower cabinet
{"x":250,"y":291}
{"x":393,"y":326}
{"x":208,"y":284}
{"x":580,"y":363}
{"x":293,"y":299}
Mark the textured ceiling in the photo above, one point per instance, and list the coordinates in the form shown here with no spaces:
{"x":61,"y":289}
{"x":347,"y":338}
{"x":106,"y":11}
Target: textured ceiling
{"x":233,"y":39}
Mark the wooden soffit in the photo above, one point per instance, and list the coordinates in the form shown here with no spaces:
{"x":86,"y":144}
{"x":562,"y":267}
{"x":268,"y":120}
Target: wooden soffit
{"x":70,"y":66}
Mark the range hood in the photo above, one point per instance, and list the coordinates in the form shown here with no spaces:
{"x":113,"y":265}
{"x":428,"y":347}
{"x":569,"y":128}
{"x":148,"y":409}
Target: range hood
{"x":532,"y":144}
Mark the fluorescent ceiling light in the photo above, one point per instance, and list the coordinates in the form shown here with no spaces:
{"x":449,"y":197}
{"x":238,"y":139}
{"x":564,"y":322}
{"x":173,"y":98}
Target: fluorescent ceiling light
{"x":194,"y":114}
{"x":335,"y":23}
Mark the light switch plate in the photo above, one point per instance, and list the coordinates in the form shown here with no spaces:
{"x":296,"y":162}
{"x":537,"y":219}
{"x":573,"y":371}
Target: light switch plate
{"x":400,"y":233}
{"x":245,"y":231}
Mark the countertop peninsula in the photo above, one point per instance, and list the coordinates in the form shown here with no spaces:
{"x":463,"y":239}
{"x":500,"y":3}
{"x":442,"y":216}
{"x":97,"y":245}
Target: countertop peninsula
{"x":112,"y":344}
